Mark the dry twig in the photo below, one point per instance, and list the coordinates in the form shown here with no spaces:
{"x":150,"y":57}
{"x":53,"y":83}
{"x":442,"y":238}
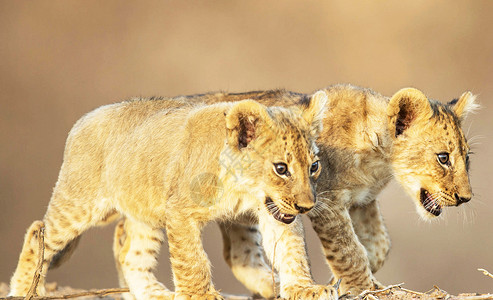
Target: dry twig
{"x":32,"y":295}
{"x":272,"y":271}
{"x":273,"y":274}
{"x":486,"y":272}
{"x":476,"y":297}
{"x":412,"y":292}
{"x":95,"y":293}
{"x":367,"y":292}
{"x":39,"y":267}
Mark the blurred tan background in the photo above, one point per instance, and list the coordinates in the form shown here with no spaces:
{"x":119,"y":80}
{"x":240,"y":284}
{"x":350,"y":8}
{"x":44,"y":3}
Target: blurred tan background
{"x":60,"y":59}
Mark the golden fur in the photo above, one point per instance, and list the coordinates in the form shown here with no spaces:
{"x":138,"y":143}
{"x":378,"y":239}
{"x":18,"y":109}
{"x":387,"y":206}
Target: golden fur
{"x":169,"y":164}
{"x":367,"y":139}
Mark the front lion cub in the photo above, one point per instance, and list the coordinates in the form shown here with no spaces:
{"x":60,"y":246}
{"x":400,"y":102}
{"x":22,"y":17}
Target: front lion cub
{"x":166,"y":164}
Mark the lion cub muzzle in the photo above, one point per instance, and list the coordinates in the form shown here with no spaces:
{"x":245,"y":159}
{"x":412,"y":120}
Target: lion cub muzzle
{"x":285,"y":217}
{"x":303,"y":209}
{"x":306,"y":201}
{"x":460,"y":200}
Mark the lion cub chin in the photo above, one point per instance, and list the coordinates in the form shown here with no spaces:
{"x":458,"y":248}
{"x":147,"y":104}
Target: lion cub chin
{"x":166,"y":165}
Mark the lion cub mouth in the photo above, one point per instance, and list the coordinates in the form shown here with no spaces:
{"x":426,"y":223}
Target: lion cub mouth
{"x":430,"y":204}
{"x":276,"y":212}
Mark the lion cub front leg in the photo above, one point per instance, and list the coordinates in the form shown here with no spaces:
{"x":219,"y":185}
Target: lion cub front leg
{"x":372,"y":233}
{"x":345,"y":255}
{"x":137,"y":259}
{"x":189,"y":263}
{"x":119,"y":239}
{"x":245,"y":256}
{"x":285,"y":247}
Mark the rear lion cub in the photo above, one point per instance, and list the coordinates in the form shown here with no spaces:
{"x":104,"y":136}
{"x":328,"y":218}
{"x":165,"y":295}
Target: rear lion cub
{"x":169,"y":165}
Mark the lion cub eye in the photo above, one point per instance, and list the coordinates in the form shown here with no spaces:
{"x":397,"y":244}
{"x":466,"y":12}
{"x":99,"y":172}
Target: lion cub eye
{"x":281,"y":169}
{"x":314,"y":167}
{"x":443,"y":158}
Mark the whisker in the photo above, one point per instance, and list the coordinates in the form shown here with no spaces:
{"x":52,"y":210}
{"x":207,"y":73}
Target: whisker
{"x":324,"y":192}
{"x":469,"y":129}
{"x":476,"y":137}
{"x":474,"y":145}
{"x":320,"y":210}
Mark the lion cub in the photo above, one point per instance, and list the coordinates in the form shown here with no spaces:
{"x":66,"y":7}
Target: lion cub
{"x":169,"y":165}
{"x":366,"y":140}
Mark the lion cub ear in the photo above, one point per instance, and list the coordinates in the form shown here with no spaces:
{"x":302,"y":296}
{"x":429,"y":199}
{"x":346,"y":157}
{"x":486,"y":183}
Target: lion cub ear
{"x":314,"y":112}
{"x":243,"y":121}
{"x":407,"y":107}
{"x":464,"y":106}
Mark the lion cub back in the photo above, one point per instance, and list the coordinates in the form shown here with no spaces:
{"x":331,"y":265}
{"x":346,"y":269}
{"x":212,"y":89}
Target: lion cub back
{"x":129,"y":152}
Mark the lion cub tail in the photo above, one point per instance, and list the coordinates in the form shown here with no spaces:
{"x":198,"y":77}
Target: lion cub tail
{"x":65,"y":254}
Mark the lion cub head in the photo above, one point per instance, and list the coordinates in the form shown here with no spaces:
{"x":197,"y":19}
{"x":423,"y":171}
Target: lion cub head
{"x":430,"y":154}
{"x":271,"y":154}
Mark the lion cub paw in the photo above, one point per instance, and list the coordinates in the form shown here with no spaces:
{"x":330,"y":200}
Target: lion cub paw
{"x":163,"y":295}
{"x":373,"y":285}
{"x":319,"y":292}
{"x":207,"y":296}
{"x":377,"y":285}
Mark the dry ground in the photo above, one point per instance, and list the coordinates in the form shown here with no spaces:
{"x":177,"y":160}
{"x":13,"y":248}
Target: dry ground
{"x":393,"y":292}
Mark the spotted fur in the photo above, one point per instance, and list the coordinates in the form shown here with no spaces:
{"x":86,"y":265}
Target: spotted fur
{"x":168,"y":164}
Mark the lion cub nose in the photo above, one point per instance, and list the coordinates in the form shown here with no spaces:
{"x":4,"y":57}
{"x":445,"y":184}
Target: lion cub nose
{"x":302,"y":209}
{"x":461,"y":200}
